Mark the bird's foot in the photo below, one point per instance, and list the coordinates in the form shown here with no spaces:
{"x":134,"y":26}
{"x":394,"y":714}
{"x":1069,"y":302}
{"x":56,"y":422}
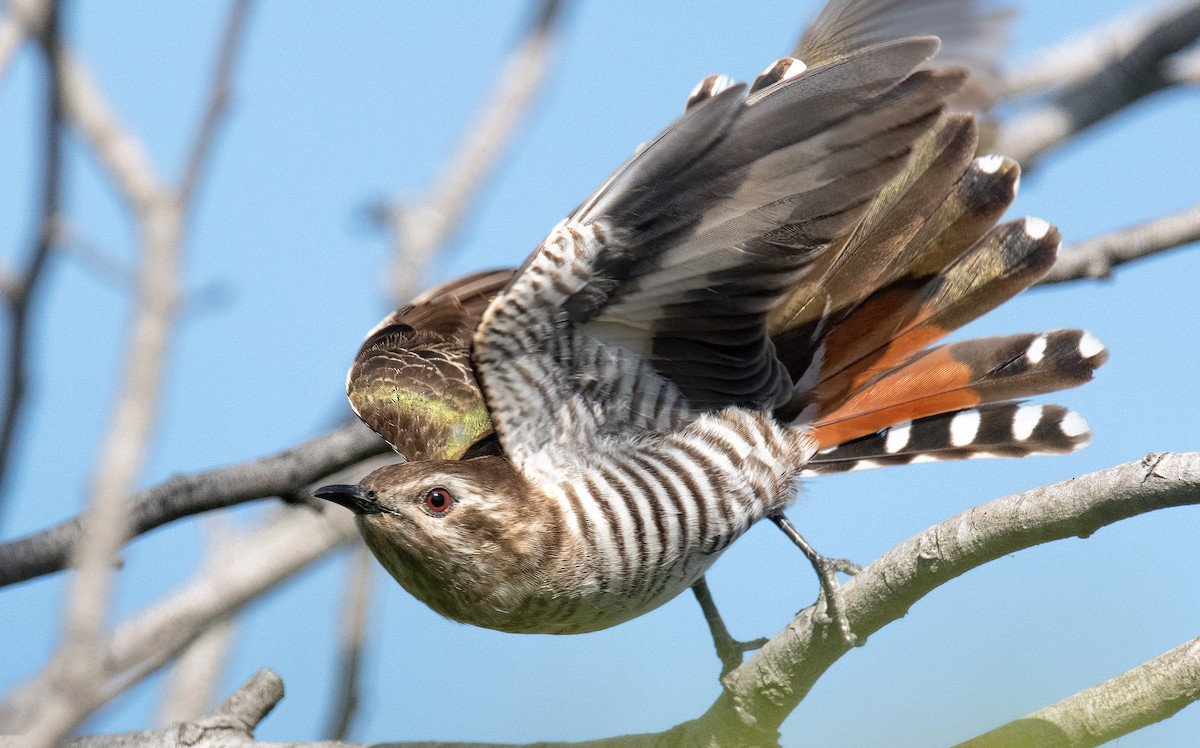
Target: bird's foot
{"x":729,"y":650}
{"x":830,"y":604}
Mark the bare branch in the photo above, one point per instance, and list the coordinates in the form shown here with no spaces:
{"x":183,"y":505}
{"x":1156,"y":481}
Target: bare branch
{"x":1088,"y":53}
{"x":23,"y":290}
{"x":419,"y":228}
{"x":1125,"y":78}
{"x":760,"y":694}
{"x":355,"y":619}
{"x":121,"y":154}
{"x":292,"y":540}
{"x":284,"y":474}
{"x":191,"y":686}
{"x":12,"y":33}
{"x":1096,"y":258}
{"x":217,"y":101}
{"x":1149,"y":693}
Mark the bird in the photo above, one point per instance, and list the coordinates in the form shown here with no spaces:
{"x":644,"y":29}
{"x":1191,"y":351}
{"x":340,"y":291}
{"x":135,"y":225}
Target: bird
{"x":755,"y":297}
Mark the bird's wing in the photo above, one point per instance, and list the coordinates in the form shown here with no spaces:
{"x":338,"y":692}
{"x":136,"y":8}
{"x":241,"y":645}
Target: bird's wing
{"x":412,"y":380}
{"x":974,"y":36}
{"x":650,"y":300}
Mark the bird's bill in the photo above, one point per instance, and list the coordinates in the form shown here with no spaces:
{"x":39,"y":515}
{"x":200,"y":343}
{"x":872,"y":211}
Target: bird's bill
{"x":355,"y":498}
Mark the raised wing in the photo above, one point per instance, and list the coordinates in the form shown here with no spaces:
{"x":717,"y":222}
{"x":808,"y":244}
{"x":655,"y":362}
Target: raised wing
{"x":649,"y":303}
{"x":973,"y":33}
{"x":412,"y":380}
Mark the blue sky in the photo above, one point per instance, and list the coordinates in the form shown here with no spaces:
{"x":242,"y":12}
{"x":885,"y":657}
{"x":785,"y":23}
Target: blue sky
{"x":338,"y":105}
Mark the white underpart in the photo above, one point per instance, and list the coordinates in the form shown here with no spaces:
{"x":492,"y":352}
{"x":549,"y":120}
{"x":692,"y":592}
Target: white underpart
{"x":1036,"y":227}
{"x":1073,"y":424}
{"x":1090,"y":346}
{"x":964,"y":427}
{"x":897,"y":437}
{"x":1025,"y":421}
{"x":1037,"y":350}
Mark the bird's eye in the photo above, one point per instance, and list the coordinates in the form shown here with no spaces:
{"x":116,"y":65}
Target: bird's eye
{"x":438,"y":501}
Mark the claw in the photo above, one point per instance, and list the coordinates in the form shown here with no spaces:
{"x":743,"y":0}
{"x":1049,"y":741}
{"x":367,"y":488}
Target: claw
{"x":830,"y":605}
{"x":729,"y":650}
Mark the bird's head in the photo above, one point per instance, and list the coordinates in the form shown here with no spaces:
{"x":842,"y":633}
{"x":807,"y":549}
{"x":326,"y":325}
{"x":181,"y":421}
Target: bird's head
{"x":470,"y":538}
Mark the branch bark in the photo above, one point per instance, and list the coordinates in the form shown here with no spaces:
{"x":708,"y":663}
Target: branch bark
{"x":285,"y":474}
{"x":1098,"y":257}
{"x":1127,"y":76}
{"x":22,"y":291}
{"x":1149,"y":693}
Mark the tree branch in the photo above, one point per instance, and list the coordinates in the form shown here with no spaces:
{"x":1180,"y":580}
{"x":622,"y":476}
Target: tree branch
{"x":1088,"y":53}
{"x":760,"y":694}
{"x":1098,"y":257}
{"x":1149,"y":693}
{"x":1127,"y":75}
{"x":262,"y":560}
{"x":22,"y":292}
{"x":284,"y":474}
{"x":355,"y":620}
{"x":420,"y":227}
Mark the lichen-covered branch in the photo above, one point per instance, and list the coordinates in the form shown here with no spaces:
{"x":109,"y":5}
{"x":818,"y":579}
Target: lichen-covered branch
{"x":1149,"y":693}
{"x":761,"y":693}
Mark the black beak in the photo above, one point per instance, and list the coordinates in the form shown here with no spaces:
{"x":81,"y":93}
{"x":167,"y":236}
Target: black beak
{"x":355,"y":498}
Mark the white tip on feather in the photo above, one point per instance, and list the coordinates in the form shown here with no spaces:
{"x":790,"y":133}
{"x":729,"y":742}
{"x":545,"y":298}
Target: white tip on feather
{"x":990,"y":163}
{"x":1073,"y":425}
{"x":1036,"y":227}
{"x":1090,"y":346}
{"x":795,"y":67}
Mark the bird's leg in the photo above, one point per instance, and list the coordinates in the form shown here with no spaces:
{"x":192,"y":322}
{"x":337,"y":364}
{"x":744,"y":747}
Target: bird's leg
{"x":827,"y":569}
{"x":729,"y":650}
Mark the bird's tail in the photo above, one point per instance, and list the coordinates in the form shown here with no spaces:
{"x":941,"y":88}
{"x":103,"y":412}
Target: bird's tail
{"x":927,"y":258}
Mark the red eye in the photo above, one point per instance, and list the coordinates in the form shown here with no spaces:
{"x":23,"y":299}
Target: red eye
{"x":438,"y":501}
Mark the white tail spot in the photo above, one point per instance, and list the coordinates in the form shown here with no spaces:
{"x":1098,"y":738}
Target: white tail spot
{"x":897,"y":437}
{"x":924,"y":457}
{"x":990,"y":163}
{"x":963,"y":427}
{"x":1090,"y":346}
{"x":1037,"y":350}
{"x":1036,"y":227}
{"x":1073,"y":425}
{"x":1025,"y":421}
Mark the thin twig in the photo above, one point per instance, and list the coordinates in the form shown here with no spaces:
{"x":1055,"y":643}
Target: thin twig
{"x":12,"y":34}
{"x":420,"y":227}
{"x":285,"y":474}
{"x":1098,"y":257}
{"x":355,"y":620}
{"x":218,"y":100}
{"x":24,"y":289}
{"x":1149,"y":693}
{"x":1123,"y":80}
